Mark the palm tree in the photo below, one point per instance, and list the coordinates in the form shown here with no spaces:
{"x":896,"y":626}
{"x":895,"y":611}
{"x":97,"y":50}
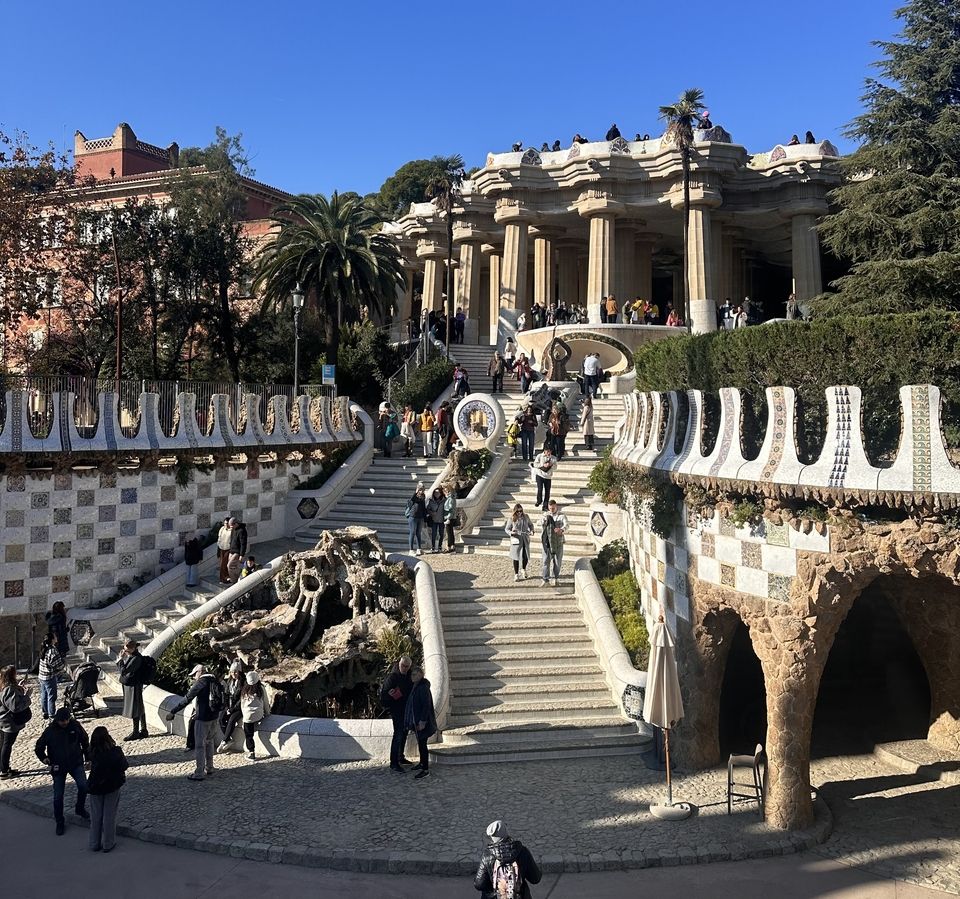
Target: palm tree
{"x":681,"y":118}
{"x":444,"y":189}
{"x":332,"y":248}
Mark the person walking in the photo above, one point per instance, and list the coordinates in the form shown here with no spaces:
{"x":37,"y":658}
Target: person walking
{"x":394,"y":693}
{"x":528,"y":431}
{"x":496,"y":369}
{"x":52,"y":665}
{"x":208,"y":693}
{"x":192,"y":557}
{"x":450,"y":519}
{"x":253,"y":707}
{"x":443,"y":428}
{"x":390,"y":427}
{"x":507,"y":867}
{"x":416,"y":513}
{"x":586,"y":421}
{"x":590,"y":369}
{"x":524,"y":372}
{"x":107,"y":776}
{"x":14,"y":715}
{"x":553,"y":530}
{"x":544,"y":467}
{"x":408,"y":430}
{"x":223,"y":551}
{"x":56,"y":620}
{"x":435,"y":517}
{"x":519,"y":528}
{"x":419,"y":718}
{"x":238,"y":549}
{"x":559,"y":428}
{"x":231,"y":715}
{"x":132,"y":670}
{"x":427,"y":423}
{"x":509,"y":354}
{"x":64,"y":746}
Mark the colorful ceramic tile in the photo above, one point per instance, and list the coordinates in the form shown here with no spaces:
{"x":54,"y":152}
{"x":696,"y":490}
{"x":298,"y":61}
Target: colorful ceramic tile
{"x":128,"y":495}
{"x":106,"y":546}
{"x":728,"y":575}
{"x":15,"y":518}
{"x":61,"y":549}
{"x":727,"y":528}
{"x":40,"y":534}
{"x":62,"y":516}
{"x":39,"y":500}
{"x":107,"y":513}
{"x":778,"y":587}
{"x":750,"y":555}
{"x":39,"y":568}
{"x":60,"y":583}
{"x":708,"y":546}
{"x":86,"y":498}
{"x":777,"y":534}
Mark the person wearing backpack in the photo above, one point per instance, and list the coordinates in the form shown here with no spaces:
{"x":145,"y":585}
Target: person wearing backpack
{"x":192,"y":557}
{"x":507,"y":867}
{"x":14,"y":714}
{"x":134,"y":671}
{"x":64,"y":746}
{"x":56,"y":620}
{"x":51,"y":666}
{"x":208,"y":692}
{"x":415,"y":513}
{"x":107,"y":775}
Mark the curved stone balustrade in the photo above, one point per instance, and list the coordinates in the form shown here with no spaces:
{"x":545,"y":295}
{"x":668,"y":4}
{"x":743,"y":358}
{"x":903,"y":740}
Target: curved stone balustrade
{"x":318,"y":420}
{"x":922,"y":466}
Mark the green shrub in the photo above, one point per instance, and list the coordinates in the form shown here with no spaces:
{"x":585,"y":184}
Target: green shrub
{"x":878,"y":353}
{"x":623,"y":596}
{"x":173,"y":667}
{"x":396,"y":642}
{"x":638,"y":492}
{"x":328,"y":466}
{"x":612,"y":560}
{"x":474,"y":464}
{"x":746,"y":512}
{"x":424,"y":385}
{"x":603,"y":478}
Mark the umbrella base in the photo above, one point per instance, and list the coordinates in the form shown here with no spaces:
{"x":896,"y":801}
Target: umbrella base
{"x":675,"y":812}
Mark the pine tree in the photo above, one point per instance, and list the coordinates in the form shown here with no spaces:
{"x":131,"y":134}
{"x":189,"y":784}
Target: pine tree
{"x":898,"y":211}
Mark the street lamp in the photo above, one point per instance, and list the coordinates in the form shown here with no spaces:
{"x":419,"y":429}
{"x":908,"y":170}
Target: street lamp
{"x":297,"y":308}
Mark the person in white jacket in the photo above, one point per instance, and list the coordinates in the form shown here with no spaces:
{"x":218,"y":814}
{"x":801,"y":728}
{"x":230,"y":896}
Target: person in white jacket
{"x":544,"y":467}
{"x":253,"y":707}
{"x":223,"y":550}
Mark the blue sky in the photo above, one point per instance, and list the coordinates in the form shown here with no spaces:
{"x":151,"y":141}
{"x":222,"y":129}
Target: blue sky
{"x":338,"y":95}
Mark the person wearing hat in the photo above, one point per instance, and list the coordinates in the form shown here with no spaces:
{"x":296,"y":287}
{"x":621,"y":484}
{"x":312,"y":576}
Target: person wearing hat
{"x":208,"y":693}
{"x":253,"y":707}
{"x":507,"y":867}
{"x":64,"y":747}
{"x":230,"y":717}
{"x":131,"y":669}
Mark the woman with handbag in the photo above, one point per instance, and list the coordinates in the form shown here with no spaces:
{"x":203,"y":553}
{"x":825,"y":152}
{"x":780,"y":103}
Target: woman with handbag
{"x":408,"y":430}
{"x":106,"y":778}
{"x":14,"y":715}
{"x":519,"y":528}
{"x":253,"y":706}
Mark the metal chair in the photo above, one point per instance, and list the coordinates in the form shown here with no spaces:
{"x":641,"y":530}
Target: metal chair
{"x":757,"y":763}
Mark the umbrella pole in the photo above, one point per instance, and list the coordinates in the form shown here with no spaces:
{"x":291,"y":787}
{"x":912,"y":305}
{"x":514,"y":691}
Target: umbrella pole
{"x":666,"y":743}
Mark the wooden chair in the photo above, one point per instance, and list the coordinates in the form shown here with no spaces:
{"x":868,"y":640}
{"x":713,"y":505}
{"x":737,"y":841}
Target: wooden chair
{"x":754,"y":790}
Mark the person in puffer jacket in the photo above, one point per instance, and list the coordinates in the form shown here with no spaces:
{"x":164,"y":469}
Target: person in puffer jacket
{"x":505,"y":859}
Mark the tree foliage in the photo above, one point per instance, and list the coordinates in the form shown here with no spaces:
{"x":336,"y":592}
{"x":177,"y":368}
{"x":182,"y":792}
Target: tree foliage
{"x":405,"y":186}
{"x":898,"y":210}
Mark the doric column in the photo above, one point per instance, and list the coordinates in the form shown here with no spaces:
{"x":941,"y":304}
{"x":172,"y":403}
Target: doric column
{"x":702,"y":313}
{"x":725,"y":288}
{"x":601,"y":211}
{"x":544,"y":273}
{"x":625,"y":266}
{"x":643,"y":256}
{"x":406,"y":296}
{"x":468,"y":293}
{"x":568,"y":273}
{"x":583,"y":270}
{"x":434,"y":273}
{"x":489,"y":321}
{"x":807,"y":278}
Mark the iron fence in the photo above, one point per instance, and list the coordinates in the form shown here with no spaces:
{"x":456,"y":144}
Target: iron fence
{"x":86,"y":411}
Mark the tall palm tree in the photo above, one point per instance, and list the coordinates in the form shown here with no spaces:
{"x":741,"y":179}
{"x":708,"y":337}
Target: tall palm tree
{"x":333,"y":248}
{"x":444,"y":188}
{"x":681,"y":118}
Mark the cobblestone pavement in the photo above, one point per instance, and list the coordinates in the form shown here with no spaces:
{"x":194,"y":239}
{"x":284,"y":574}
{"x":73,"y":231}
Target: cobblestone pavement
{"x":584,"y":815}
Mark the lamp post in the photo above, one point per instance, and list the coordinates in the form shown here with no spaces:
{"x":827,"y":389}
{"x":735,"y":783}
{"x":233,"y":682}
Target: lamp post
{"x":297,"y":308}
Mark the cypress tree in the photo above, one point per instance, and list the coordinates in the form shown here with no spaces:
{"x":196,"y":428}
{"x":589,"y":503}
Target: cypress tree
{"x":897,"y":214}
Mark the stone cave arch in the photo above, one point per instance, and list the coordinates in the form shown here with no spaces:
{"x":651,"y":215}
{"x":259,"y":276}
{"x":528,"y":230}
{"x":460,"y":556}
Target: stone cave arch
{"x":742,"y":706}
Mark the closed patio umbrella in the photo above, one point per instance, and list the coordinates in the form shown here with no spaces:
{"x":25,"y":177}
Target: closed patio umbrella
{"x":663,"y":706}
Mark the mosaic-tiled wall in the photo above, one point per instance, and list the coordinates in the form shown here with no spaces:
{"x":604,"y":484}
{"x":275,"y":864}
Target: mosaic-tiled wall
{"x":77,"y":536}
{"x":758,"y":560}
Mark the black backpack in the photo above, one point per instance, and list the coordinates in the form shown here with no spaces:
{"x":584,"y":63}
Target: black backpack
{"x":215,"y":697}
{"x":22,"y":712}
{"x":148,"y":670}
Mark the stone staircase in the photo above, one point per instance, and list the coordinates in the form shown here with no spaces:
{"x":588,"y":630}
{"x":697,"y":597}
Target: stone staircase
{"x":378,"y":499}
{"x":476,"y":359}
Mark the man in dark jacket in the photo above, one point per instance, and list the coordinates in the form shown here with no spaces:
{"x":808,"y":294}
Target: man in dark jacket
{"x":393,"y":695}
{"x":64,"y":746}
{"x":208,"y":693}
{"x":420,"y":718}
{"x":505,"y":862}
{"x":238,"y":549}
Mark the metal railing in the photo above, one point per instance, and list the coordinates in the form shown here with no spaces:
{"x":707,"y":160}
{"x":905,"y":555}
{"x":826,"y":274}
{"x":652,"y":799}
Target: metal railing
{"x":427,"y":348}
{"x":86,"y":413}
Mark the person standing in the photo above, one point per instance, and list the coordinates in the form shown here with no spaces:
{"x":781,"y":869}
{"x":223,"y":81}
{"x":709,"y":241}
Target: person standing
{"x":192,"y":557}
{"x":238,"y":549}
{"x":524,"y":372}
{"x":507,"y":867}
{"x":64,"y":746}
{"x":603,"y":310}
{"x":253,"y":707}
{"x":420,"y":718}
{"x":435,"y":517}
{"x":208,"y":693}
{"x":518,"y":529}
{"x":450,"y":519}
{"x":612,"y":309}
{"x":416,"y":513}
{"x":591,"y":374}
{"x":223,"y":551}
{"x":586,"y":422}
{"x":553,"y":530}
{"x":443,"y":426}
{"x":14,"y":715}
{"x":509,"y":354}
{"x":231,"y":715}
{"x":107,"y":776}
{"x":57,"y":623}
{"x":427,"y":423}
{"x":496,"y":369}
{"x":388,"y":425}
{"x":460,"y":324}
{"x":408,"y":430}
{"x":132,"y":669}
{"x":51,"y":667}
{"x":528,"y":431}
{"x":544,"y":467}
{"x":394,"y":693}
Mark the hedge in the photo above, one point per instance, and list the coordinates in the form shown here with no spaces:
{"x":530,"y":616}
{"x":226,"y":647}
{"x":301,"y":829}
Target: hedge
{"x":424,"y":385}
{"x":878,"y":354}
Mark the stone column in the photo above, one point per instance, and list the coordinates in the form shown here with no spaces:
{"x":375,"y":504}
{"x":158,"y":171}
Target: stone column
{"x":600,"y":263}
{"x":583,"y":270}
{"x":807,"y":278}
{"x":491,"y":319}
{"x":643,"y":255}
{"x":625,"y":268}
{"x":725,"y":287}
{"x":405,"y":309}
{"x":468,"y":283}
{"x":433,"y":277}
{"x":513,"y":277}
{"x":544,"y":277}
{"x":568,"y":274}
{"x":702,"y":313}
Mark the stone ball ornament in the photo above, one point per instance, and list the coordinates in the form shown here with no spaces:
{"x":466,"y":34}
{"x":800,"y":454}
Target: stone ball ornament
{"x":478,"y":421}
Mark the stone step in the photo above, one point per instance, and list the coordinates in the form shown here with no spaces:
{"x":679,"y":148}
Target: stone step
{"x":505,"y":593}
{"x":554,"y":653}
{"x":520,"y":713}
{"x":525,"y":668}
{"x":475,"y":610}
{"x":510,"y":622}
{"x":524,"y":684}
{"x":498,"y":643}
{"x":533,"y":698}
{"x":469,"y":632}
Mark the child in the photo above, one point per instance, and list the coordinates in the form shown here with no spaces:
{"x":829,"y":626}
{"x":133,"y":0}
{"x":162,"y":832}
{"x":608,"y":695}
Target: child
{"x":250,"y":567}
{"x":513,"y":437}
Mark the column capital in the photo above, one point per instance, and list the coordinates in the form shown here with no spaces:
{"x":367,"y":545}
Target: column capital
{"x":598,"y":202}
{"x":548,"y":232}
{"x":491,"y":249}
{"x":651,"y":237}
{"x":512,"y":212}
{"x":807,"y":206}
{"x":465,"y":232}
{"x":430,"y":249}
